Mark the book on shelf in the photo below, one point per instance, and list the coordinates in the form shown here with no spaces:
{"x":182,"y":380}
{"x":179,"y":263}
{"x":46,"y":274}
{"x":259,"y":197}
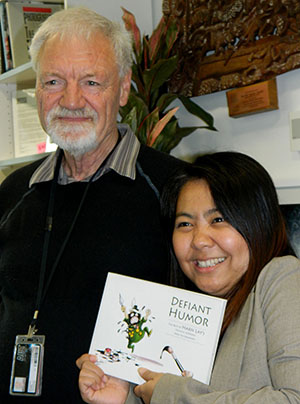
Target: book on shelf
{"x":29,"y":137}
{"x":2,"y":67}
{"x":5,"y":40}
{"x":163,"y":328}
{"x":23,"y":20}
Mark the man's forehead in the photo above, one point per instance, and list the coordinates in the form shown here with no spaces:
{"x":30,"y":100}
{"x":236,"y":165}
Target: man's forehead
{"x":96,"y":42}
{"x":97,"y":52}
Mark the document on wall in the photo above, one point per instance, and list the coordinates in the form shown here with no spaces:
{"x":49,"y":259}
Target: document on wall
{"x":29,"y":137}
{"x":162,"y":328}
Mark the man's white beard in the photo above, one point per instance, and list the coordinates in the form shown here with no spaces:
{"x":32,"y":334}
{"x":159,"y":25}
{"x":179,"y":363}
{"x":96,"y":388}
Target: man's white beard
{"x":64,"y":135}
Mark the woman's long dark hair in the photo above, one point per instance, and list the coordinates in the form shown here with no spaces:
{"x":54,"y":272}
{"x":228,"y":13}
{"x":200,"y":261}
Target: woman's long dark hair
{"x":245,"y":195}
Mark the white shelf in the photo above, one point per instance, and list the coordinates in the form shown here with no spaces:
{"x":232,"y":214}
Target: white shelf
{"x":21,"y":160}
{"x":19,"y":78}
{"x":20,"y":75}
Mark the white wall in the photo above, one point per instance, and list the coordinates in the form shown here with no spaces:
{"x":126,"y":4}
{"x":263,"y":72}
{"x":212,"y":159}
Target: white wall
{"x":264,"y":136}
{"x":142,"y":9}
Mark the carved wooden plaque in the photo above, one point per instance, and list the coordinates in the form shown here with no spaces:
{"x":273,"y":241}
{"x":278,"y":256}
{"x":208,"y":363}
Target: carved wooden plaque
{"x":233,"y":43}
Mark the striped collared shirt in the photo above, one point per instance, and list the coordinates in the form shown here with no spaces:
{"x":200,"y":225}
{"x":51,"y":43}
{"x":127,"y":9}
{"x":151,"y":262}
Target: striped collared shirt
{"x":122,"y":160}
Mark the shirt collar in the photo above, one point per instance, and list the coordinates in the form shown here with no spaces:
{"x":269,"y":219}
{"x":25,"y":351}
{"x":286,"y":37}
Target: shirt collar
{"x":122,"y":161}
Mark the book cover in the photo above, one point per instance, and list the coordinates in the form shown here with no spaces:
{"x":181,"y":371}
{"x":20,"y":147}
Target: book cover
{"x":23,"y":20}
{"x":5,"y":41}
{"x":162,"y":328}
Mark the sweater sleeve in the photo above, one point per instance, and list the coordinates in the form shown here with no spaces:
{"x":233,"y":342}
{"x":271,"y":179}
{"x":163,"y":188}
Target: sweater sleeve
{"x":278,"y":299}
{"x":132,"y":398}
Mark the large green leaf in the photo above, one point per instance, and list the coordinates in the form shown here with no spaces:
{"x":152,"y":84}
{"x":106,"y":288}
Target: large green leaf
{"x":137,"y":78}
{"x":134,"y":100}
{"x":131,"y":119}
{"x":165,"y":138}
{"x":159,"y":73}
{"x":155,"y":41}
{"x":145,"y":64}
{"x":165,"y":100}
{"x":196,"y":110}
{"x":130,"y":25}
{"x":171,"y":36}
{"x":180,"y":133}
{"x":158,"y":128}
{"x":149,"y":122}
{"x":141,"y":134}
{"x":172,"y":135}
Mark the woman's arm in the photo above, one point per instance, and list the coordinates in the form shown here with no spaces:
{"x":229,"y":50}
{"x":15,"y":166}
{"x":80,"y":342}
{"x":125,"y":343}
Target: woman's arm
{"x":277,"y":301}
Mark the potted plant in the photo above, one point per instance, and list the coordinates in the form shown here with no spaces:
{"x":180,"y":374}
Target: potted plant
{"x":148,"y":109}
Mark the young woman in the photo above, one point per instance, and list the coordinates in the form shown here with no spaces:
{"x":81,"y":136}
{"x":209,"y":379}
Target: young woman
{"x":228,"y":239}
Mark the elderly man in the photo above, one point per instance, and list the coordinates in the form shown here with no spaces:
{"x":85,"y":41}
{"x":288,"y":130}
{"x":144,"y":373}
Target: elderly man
{"x":89,"y":208}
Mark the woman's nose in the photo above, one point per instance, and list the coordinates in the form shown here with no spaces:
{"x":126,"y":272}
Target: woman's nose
{"x":202,"y":238}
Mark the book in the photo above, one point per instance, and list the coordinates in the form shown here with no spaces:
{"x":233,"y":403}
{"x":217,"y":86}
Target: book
{"x":23,"y":19}
{"x":5,"y":41}
{"x":163,"y":328}
{"x":2,"y":67}
{"x":29,"y":136}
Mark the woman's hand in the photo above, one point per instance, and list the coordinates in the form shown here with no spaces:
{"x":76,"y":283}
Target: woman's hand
{"x":98,"y":388}
{"x":145,"y":390}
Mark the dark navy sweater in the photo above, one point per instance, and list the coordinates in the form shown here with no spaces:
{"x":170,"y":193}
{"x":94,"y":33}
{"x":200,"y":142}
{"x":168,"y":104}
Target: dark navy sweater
{"x":118,"y":230}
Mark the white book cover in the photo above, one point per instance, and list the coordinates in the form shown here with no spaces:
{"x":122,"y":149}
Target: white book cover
{"x":162,"y":328}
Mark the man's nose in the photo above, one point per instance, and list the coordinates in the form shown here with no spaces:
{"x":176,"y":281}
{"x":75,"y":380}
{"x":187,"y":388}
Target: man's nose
{"x":72,"y":97}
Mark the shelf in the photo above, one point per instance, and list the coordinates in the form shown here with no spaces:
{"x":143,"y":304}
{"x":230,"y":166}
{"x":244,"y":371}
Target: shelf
{"x":21,"y":160}
{"x":20,"y":75}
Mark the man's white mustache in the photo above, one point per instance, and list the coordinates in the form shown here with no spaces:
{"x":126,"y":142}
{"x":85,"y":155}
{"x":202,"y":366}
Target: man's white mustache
{"x":60,"y":112}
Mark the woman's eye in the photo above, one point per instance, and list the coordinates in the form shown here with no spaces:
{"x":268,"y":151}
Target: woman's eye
{"x":218,"y":220}
{"x":182,"y":224}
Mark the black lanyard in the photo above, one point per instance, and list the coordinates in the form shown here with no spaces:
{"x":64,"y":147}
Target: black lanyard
{"x":42,"y":287}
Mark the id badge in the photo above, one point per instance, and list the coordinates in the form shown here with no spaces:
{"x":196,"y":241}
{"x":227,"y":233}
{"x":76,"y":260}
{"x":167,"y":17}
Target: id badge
{"x":27,"y":366}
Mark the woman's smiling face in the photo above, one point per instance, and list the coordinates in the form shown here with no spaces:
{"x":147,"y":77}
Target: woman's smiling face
{"x":211,"y":253}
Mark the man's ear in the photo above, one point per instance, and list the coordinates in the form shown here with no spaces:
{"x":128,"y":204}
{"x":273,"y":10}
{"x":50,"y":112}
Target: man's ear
{"x":125,"y":88}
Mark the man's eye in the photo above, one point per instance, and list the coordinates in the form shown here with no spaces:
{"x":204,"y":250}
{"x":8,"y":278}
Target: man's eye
{"x":92,"y":83}
{"x":51,"y":82}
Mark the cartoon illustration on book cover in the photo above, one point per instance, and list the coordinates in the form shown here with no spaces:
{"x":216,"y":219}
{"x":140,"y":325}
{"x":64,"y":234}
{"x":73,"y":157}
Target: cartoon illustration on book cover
{"x":134,"y":321}
{"x":135,"y":325}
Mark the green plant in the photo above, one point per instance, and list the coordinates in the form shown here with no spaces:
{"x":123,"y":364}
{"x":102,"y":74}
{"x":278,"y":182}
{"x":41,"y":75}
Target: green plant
{"x":147,"y":109}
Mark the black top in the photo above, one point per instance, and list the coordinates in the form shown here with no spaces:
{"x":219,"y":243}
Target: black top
{"x":118,"y":230}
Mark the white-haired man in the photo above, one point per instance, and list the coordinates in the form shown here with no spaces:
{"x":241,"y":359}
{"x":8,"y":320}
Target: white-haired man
{"x":89,"y":208}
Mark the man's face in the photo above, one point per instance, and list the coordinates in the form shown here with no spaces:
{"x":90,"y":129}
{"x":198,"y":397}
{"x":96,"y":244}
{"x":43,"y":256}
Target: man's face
{"x":79,"y":92}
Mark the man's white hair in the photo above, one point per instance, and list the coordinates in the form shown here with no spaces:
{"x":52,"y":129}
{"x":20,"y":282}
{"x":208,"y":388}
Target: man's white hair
{"x":83,"y":22}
